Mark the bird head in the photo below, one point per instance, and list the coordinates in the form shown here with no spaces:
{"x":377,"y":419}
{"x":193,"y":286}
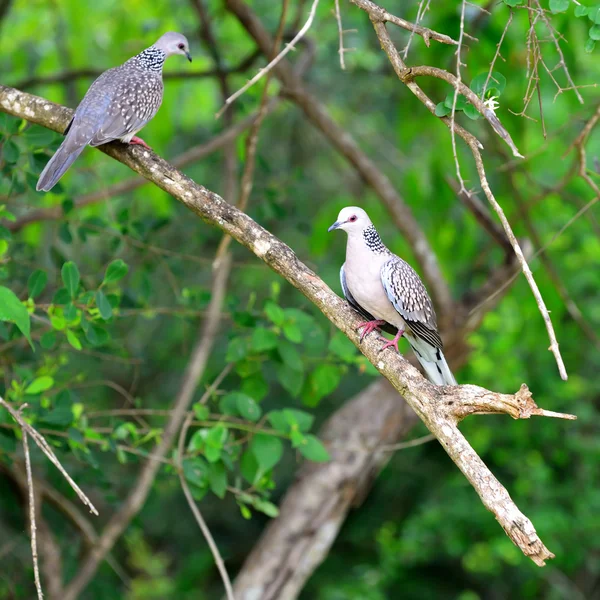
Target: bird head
{"x":352,"y":220}
{"x":174,"y":43}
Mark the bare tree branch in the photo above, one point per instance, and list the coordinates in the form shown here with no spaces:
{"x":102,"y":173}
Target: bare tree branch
{"x":439,"y":407}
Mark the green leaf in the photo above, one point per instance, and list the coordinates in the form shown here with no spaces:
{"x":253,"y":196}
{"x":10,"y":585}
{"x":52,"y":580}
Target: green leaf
{"x":39,"y":385}
{"x":48,"y":340}
{"x":341,"y":346}
{"x":496,"y":81}
{"x":236,"y":350}
{"x":322,"y":381}
{"x":590,"y":45}
{"x":275,"y":313}
{"x":513,"y":2}
{"x":290,"y":379}
{"x":249,"y":467}
{"x":11,"y":309}
{"x":195,"y":471}
{"x":267,"y":450}
{"x":290,"y":356}
{"x":116,"y":270}
{"x":73,"y":340}
{"x":103,"y":305}
{"x":247,"y":407}
{"x":201,"y":411}
{"x":313,"y":449}
{"x":581,"y":11}
{"x":263,"y":339}
{"x":217,"y":479}
{"x":60,"y":416}
{"x":594,"y":14}
{"x":61,"y":296}
{"x":292,"y":332}
{"x":298,"y":419}
{"x":10,"y":152}
{"x":36,"y":283}
{"x":39,"y":136}
{"x":594,"y":33}
{"x":471,"y":112}
{"x":266,"y":507}
{"x":279,"y":421}
{"x":441,"y":110}
{"x":70,"y":277}
{"x":558,"y":6}
{"x":255,"y":386}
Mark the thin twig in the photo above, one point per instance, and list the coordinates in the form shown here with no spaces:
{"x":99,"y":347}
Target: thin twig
{"x":197,"y":514}
{"x":410,"y":444}
{"x":45,"y":448}
{"x":32,"y":525}
{"x":290,"y":46}
{"x":338,"y":18}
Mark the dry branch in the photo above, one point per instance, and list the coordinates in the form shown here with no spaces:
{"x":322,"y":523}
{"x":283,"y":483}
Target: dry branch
{"x":440,"y":408}
{"x":46,"y":449}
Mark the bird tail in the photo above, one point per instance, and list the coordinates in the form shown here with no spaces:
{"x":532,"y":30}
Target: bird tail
{"x":58,"y":165}
{"x":432,"y":360}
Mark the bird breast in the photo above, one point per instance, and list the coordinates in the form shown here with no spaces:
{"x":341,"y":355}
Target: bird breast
{"x":363,"y":278}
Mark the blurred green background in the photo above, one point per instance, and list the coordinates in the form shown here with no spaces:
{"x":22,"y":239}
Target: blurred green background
{"x":422,"y":532}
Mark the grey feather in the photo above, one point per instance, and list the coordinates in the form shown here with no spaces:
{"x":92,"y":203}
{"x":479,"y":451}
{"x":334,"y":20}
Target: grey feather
{"x":407,"y":293}
{"x":117,"y":105}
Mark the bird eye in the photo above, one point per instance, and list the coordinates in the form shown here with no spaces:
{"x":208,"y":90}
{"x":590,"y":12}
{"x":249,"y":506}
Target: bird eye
{"x":180,"y":46}
{"x":352,"y":219}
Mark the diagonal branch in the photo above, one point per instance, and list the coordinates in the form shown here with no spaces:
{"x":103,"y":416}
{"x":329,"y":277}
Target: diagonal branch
{"x":440,"y":408}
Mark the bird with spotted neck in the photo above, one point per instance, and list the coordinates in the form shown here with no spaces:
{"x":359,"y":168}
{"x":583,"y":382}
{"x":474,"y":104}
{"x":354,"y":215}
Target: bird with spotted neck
{"x":389,"y":294}
{"x":117,"y":105}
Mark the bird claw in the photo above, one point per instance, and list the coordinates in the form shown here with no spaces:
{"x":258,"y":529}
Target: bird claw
{"x":138,"y":141}
{"x":369,"y":327}
{"x":393,"y":343}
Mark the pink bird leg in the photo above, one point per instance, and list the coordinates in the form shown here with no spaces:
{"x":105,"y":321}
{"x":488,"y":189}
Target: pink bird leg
{"x":369,"y":326}
{"x":138,"y":141}
{"x":394,"y":342}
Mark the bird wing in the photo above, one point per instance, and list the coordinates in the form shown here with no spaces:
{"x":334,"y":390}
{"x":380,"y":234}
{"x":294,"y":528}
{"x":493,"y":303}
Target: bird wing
{"x":407,"y":293}
{"x":388,"y":328}
{"x":128,"y":108}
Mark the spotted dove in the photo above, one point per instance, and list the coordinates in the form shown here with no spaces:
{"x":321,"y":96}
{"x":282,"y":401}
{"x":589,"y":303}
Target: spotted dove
{"x":117,"y":105}
{"x":389,"y":294}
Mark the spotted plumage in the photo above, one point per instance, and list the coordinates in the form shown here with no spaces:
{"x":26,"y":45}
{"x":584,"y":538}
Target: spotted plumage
{"x":116,"y":106}
{"x":388,"y":292}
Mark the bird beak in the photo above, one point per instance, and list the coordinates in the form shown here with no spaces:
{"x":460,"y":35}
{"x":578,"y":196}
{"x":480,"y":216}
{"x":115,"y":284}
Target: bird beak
{"x":334,"y":226}
{"x":188,"y":56}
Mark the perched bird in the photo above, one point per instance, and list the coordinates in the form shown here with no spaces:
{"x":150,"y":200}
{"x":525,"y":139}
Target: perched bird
{"x":117,"y":105}
{"x":387,"y":292}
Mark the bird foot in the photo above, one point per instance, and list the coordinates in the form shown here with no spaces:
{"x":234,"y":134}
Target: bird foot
{"x":138,"y":141}
{"x":394,"y":342}
{"x":369,"y":326}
